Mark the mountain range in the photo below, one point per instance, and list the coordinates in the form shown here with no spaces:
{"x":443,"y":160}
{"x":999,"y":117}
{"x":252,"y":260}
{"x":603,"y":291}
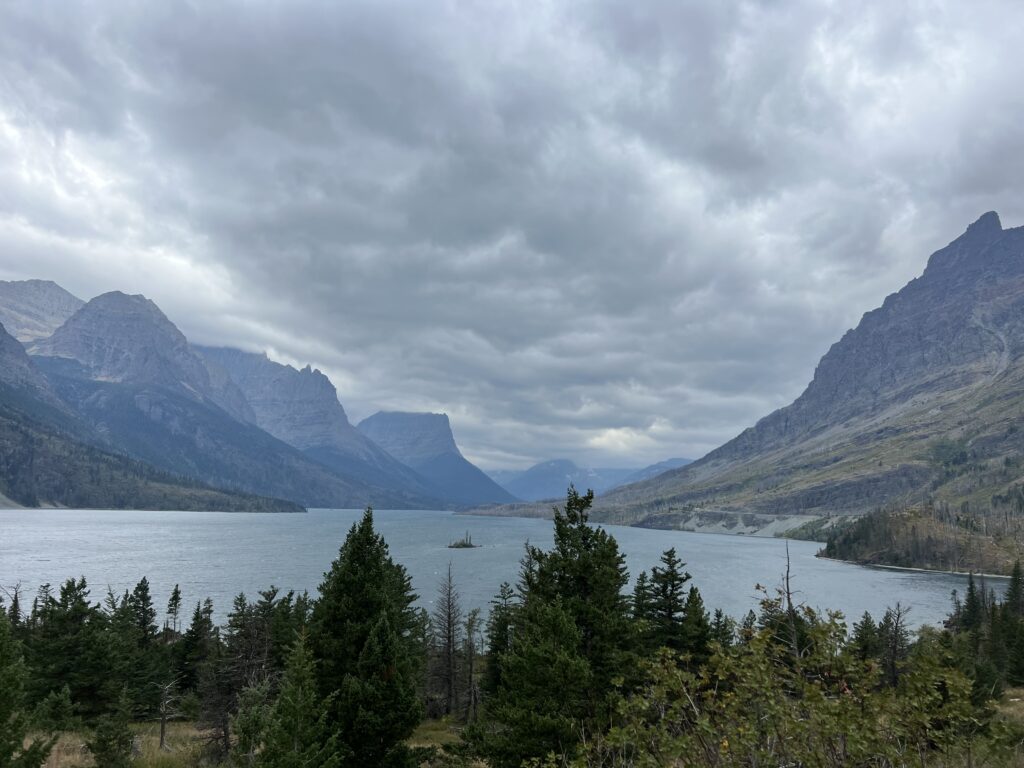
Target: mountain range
{"x":232,"y":429}
{"x":549,"y":479}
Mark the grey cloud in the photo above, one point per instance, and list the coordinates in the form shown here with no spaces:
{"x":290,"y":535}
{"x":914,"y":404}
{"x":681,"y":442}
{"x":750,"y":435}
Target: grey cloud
{"x":616,"y":232}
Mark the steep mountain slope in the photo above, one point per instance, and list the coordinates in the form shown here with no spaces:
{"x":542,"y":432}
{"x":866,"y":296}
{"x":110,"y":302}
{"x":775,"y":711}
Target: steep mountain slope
{"x":936,"y":372}
{"x":45,"y":461}
{"x":424,"y":441}
{"x":127,"y":339}
{"x":301,"y":408}
{"x":124,"y":368}
{"x":33,"y":309}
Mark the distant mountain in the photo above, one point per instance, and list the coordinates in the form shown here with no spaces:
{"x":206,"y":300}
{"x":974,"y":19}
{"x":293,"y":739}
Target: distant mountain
{"x":45,"y":458}
{"x":126,"y":370}
{"x":923,"y":400}
{"x":127,"y":339}
{"x":549,"y":479}
{"x":301,"y":408}
{"x":654,"y":470}
{"x":424,"y":441}
{"x":33,"y":309}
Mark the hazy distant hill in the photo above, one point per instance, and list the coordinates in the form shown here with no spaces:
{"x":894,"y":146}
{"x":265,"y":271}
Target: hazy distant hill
{"x":424,"y":441}
{"x":549,"y":479}
{"x":936,"y":372}
{"x":33,"y":309}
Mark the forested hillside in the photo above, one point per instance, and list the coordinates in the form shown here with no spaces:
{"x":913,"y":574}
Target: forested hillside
{"x":42,"y":466}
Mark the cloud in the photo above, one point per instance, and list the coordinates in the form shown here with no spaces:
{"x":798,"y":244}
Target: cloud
{"x":615,"y":232}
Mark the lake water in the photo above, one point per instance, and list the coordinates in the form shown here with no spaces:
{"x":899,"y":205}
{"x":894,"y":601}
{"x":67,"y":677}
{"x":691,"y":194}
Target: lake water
{"x":218,"y":555}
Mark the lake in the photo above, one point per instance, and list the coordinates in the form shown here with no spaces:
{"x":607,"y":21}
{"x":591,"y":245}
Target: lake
{"x":218,"y":555}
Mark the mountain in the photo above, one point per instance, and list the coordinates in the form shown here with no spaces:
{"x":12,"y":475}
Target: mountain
{"x":549,"y":479}
{"x":44,"y":463}
{"x":424,"y":441}
{"x":654,"y":470}
{"x":922,"y":401}
{"x":128,"y":372}
{"x":33,"y":309}
{"x":301,"y":408}
{"x":127,"y":339}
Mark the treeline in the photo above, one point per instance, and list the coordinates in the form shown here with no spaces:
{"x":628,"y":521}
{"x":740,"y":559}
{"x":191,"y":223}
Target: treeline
{"x":569,"y":668}
{"x":935,"y":536}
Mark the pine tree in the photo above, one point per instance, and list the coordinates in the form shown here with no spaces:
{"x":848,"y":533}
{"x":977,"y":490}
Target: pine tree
{"x":696,"y":629}
{"x":378,"y":706}
{"x":642,"y":598}
{"x":111,"y":742}
{"x":866,"y":643}
{"x":573,"y":640}
{"x":544,"y":694}
{"x":723,"y":629}
{"x":14,"y":722}
{"x":174,"y":610}
{"x":297,"y":734}
{"x":1014,"y":600}
{"x":366,"y":638}
{"x":668,"y":602}
{"x":499,"y":636}
{"x":447,"y":628}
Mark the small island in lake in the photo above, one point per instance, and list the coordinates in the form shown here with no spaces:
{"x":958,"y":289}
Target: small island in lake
{"x":466,"y":542}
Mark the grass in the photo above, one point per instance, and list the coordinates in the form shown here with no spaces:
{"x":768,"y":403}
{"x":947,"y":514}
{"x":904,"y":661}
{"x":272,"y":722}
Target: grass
{"x":71,"y":751}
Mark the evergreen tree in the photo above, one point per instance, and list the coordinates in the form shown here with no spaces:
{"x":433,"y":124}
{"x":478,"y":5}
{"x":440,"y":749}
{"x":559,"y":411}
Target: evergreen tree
{"x":723,"y":629}
{"x":447,"y":629}
{"x":573,"y":618}
{"x":68,"y":644}
{"x":1014,"y":601}
{"x":366,"y":638}
{"x":973,"y":610}
{"x":297,"y":734}
{"x":14,"y":723}
{"x":111,"y":742}
{"x":544,"y":692}
{"x":196,"y":646}
{"x":642,"y":598}
{"x":251,"y":723}
{"x":668,"y":602}
{"x":499,"y":636}
{"x":894,"y":641}
{"x":866,"y":643}
{"x":696,"y":629}
{"x":174,"y":610}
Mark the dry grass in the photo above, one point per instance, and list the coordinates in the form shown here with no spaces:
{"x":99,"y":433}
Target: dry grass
{"x":71,"y":752}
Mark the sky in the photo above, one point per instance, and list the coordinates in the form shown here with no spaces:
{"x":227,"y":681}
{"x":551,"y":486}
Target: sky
{"x":608,"y":231}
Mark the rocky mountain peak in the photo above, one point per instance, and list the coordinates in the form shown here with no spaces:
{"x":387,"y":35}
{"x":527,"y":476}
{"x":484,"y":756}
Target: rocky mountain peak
{"x":411,"y":437}
{"x":34,"y":309}
{"x":125,"y":338}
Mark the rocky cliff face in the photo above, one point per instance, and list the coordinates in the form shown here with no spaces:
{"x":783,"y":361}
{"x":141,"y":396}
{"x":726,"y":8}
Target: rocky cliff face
{"x":301,"y":407}
{"x":938,"y":364}
{"x":34,"y":309}
{"x":424,"y":441}
{"x":127,"y":339}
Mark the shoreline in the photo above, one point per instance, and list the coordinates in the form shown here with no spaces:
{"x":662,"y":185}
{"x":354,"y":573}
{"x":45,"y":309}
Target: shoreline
{"x":910,"y":569}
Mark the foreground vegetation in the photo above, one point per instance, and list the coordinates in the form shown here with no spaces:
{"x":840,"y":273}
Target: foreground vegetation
{"x":570,"y":669}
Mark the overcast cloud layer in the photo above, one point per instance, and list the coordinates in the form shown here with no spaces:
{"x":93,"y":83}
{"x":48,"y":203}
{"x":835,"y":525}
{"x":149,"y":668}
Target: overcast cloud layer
{"x":611,"y":231}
